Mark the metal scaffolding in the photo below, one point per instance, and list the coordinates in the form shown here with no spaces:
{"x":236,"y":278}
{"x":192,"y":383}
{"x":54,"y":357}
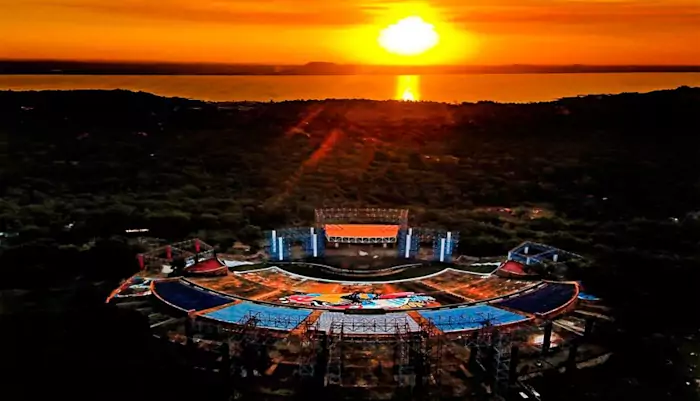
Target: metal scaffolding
{"x":280,"y":241}
{"x":359,"y":324}
{"x":241,"y":349}
{"x":444,"y":244}
{"x":493,"y":357}
{"x":274,"y":321}
{"x":531,"y":253}
{"x":334,"y":371}
{"x":408,"y":243}
{"x":361,"y":216}
{"x":502,"y":346}
{"x":417,"y":354}
{"x":248,"y":346}
{"x":329,"y":357}
{"x":308,"y":354}
{"x":191,"y":251}
{"x":431,"y":354}
{"x":404,"y":349}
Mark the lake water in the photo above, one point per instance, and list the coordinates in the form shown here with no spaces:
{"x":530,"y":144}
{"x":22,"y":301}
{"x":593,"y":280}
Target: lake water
{"x":443,"y":88}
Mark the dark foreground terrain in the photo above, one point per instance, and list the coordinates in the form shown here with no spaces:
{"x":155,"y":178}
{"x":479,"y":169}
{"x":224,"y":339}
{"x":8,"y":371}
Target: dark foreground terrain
{"x":615,"y":178}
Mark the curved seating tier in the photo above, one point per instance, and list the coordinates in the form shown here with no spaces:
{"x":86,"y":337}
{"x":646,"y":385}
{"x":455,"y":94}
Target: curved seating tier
{"x":470,"y":317}
{"x":267,"y":317}
{"x":187,"y":297}
{"x":547,"y":298}
{"x":490,"y":287}
{"x":367,"y":324}
{"x":543,"y":300}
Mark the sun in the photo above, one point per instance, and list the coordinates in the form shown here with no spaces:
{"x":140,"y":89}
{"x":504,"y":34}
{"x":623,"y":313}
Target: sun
{"x":410,"y":36}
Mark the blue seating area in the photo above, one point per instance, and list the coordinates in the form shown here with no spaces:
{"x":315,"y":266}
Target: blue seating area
{"x":269,"y":317}
{"x":587,"y":297}
{"x":470,"y":317}
{"x":545,"y":299}
{"x":186,"y":297}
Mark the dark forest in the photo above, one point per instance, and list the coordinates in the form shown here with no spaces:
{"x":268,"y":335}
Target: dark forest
{"x":617,"y":179}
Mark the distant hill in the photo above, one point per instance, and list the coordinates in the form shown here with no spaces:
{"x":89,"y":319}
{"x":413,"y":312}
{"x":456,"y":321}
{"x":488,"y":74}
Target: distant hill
{"x":313,"y":68}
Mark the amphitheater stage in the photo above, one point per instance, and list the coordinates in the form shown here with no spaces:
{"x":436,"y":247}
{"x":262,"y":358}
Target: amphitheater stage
{"x":361,"y":233}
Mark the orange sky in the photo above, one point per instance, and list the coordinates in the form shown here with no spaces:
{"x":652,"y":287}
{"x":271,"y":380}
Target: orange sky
{"x":298,"y":31}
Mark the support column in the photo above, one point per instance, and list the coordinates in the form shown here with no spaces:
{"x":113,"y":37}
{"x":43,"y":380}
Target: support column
{"x":189,"y":330}
{"x":547,"y":341}
{"x":280,"y":248}
{"x":442,"y":249}
{"x":590,"y":322}
{"x":448,"y":247}
{"x":225,"y":367}
{"x":514,"y":359}
{"x":571,"y":360}
{"x":408,"y":242}
{"x":473,"y":351}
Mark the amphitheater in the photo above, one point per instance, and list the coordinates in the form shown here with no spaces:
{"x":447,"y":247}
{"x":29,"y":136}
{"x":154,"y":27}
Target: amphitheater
{"x":359,"y":303}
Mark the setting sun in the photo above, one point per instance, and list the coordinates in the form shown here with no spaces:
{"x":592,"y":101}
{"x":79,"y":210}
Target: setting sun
{"x":408,"y":88}
{"x":409,"y":37}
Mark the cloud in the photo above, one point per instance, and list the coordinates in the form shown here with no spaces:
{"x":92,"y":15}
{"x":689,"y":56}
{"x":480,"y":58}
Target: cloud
{"x":479,"y":16}
{"x":527,"y":16}
{"x":608,"y":16}
{"x":295,"y":13}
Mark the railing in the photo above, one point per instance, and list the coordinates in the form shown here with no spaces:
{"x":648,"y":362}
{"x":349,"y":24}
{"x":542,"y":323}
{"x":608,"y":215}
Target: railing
{"x":355,"y":272}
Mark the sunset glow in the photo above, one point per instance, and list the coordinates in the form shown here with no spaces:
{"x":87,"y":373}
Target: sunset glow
{"x":300,"y":31}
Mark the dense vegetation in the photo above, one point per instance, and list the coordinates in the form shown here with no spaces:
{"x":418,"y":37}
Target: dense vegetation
{"x":616,"y":178}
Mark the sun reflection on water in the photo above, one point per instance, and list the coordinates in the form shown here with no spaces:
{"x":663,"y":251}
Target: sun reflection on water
{"x":408,"y":88}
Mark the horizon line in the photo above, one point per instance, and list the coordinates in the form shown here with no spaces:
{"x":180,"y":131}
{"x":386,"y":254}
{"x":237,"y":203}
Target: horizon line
{"x":333,"y":63}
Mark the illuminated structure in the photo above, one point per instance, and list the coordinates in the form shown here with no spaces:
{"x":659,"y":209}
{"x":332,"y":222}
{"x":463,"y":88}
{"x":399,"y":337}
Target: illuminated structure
{"x":280,"y":242}
{"x":191,"y":251}
{"x":376,"y":335}
{"x":362,"y":226}
{"x":531,"y":253}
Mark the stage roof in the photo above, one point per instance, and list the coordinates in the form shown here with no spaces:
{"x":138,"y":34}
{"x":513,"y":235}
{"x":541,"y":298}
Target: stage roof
{"x":362,"y":230}
{"x":513,"y":267}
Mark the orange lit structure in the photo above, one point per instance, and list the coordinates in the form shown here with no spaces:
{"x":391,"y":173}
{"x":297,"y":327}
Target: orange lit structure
{"x":361,"y":226}
{"x":191,"y":251}
{"x":361,"y":233}
{"x":418,"y":326}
